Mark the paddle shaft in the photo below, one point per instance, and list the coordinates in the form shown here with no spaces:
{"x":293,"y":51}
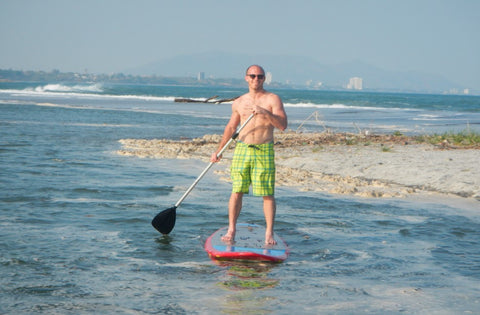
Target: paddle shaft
{"x":234,"y":136}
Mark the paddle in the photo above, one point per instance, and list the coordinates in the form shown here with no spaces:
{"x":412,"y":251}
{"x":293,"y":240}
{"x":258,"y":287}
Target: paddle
{"x":165,"y":220}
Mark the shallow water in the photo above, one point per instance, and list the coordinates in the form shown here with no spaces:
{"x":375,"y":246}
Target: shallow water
{"x":76,"y":237}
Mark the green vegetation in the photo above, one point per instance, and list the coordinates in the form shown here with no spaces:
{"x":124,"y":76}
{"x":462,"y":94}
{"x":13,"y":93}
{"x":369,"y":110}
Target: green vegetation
{"x":57,"y":76}
{"x":464,"y":138}
{"x":317,"y":149}
{"x":386,"y":149}
{"x":351,"y":141}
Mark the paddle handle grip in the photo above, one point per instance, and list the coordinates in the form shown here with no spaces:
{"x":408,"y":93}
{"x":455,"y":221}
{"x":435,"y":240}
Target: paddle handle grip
{"x":234,"y":136}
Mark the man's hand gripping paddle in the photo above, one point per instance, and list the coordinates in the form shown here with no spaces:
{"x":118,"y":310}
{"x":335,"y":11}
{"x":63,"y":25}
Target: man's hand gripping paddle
{"x":165,"y":220}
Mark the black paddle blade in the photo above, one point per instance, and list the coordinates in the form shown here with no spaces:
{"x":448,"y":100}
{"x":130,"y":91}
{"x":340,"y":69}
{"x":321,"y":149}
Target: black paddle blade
{"x":165,"y":220}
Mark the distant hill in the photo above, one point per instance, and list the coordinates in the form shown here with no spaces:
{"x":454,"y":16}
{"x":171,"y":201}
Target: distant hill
{"x":296,"y":70}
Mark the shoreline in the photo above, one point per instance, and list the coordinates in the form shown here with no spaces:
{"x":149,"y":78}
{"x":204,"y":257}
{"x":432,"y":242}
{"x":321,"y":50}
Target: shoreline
{"x":372,"y":166}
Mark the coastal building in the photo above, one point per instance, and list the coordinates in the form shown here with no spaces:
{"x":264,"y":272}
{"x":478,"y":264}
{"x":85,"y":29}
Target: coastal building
{"x":268,"y":78}
{"x":313,"y":84}
{"x":201,"y":76}
{"x":355,"y":83}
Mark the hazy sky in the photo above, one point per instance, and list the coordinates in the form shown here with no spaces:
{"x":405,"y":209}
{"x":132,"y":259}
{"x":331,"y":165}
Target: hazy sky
{"x":103,"y":36}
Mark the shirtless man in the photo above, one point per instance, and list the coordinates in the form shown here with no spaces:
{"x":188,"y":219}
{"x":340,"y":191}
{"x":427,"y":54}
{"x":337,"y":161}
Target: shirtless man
{"x":253,"y":160}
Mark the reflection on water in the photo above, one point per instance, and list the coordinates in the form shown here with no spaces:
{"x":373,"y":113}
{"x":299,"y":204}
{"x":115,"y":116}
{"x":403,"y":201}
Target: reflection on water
{"x":247,"y":276}
{"x":244,"y":280}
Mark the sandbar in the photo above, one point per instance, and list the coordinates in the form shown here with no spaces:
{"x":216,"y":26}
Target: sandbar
{"x":375,"y":166}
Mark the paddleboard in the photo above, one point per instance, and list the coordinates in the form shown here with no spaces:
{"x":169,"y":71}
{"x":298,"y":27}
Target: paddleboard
{"x":249,"y":245}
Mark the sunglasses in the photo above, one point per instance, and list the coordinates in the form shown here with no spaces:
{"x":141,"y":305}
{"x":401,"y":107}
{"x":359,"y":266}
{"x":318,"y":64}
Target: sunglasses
{"x":259,"y":76}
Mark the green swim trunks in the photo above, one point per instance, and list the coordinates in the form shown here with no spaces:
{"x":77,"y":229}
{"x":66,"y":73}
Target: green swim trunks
{"x":255,"y":165}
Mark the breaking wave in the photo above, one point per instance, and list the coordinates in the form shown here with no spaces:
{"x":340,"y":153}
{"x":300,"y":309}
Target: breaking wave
{"x":94,"y":88}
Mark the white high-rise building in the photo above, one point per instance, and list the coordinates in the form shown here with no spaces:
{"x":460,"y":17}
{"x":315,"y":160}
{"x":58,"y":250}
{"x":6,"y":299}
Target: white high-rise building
{"x":268,"y":78}
{"x":355,"y":83}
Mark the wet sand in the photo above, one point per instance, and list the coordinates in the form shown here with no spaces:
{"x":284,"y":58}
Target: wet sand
{"x":360,"y":165}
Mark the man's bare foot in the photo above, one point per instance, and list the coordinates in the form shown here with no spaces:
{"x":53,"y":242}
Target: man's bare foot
{"x":229,"y":238}
{"x":269,"y":240}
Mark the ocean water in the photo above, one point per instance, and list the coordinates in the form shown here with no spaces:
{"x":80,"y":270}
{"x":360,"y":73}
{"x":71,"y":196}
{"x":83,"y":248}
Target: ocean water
{"x":76,"y":238}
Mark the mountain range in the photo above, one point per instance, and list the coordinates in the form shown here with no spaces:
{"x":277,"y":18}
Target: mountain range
{"x":295,"y":70}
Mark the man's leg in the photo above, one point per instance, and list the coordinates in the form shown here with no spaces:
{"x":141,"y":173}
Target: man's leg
{"x":234,"y":208}
{"x":269,"y":209}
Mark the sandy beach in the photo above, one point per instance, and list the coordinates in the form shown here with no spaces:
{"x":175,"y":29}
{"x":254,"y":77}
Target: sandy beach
{"x":380,"y":166}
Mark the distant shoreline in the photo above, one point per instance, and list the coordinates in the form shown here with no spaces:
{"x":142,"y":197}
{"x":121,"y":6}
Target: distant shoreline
{"x":9,"y":75}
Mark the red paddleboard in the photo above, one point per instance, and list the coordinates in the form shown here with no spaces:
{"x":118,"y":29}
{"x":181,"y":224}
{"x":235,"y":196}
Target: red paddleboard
{"x":249,"y":245}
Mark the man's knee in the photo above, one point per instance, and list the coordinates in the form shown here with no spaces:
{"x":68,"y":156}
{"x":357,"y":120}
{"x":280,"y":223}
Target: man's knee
{"x":236,"y":195}
{"x":268,"y":198}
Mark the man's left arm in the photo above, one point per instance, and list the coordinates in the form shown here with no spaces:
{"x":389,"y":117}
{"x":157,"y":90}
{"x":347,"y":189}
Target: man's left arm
{"x":278,"y":116}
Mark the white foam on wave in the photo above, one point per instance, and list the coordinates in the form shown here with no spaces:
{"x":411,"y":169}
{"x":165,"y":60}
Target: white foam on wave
{"x":313,"y":105}
{"x":96,"y":91}
{"x":65,"y":88}
{"x":427,"y":117}
{"x":138,"y":97}
{"x":342,"y":106}
{"x":80,"y":91}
